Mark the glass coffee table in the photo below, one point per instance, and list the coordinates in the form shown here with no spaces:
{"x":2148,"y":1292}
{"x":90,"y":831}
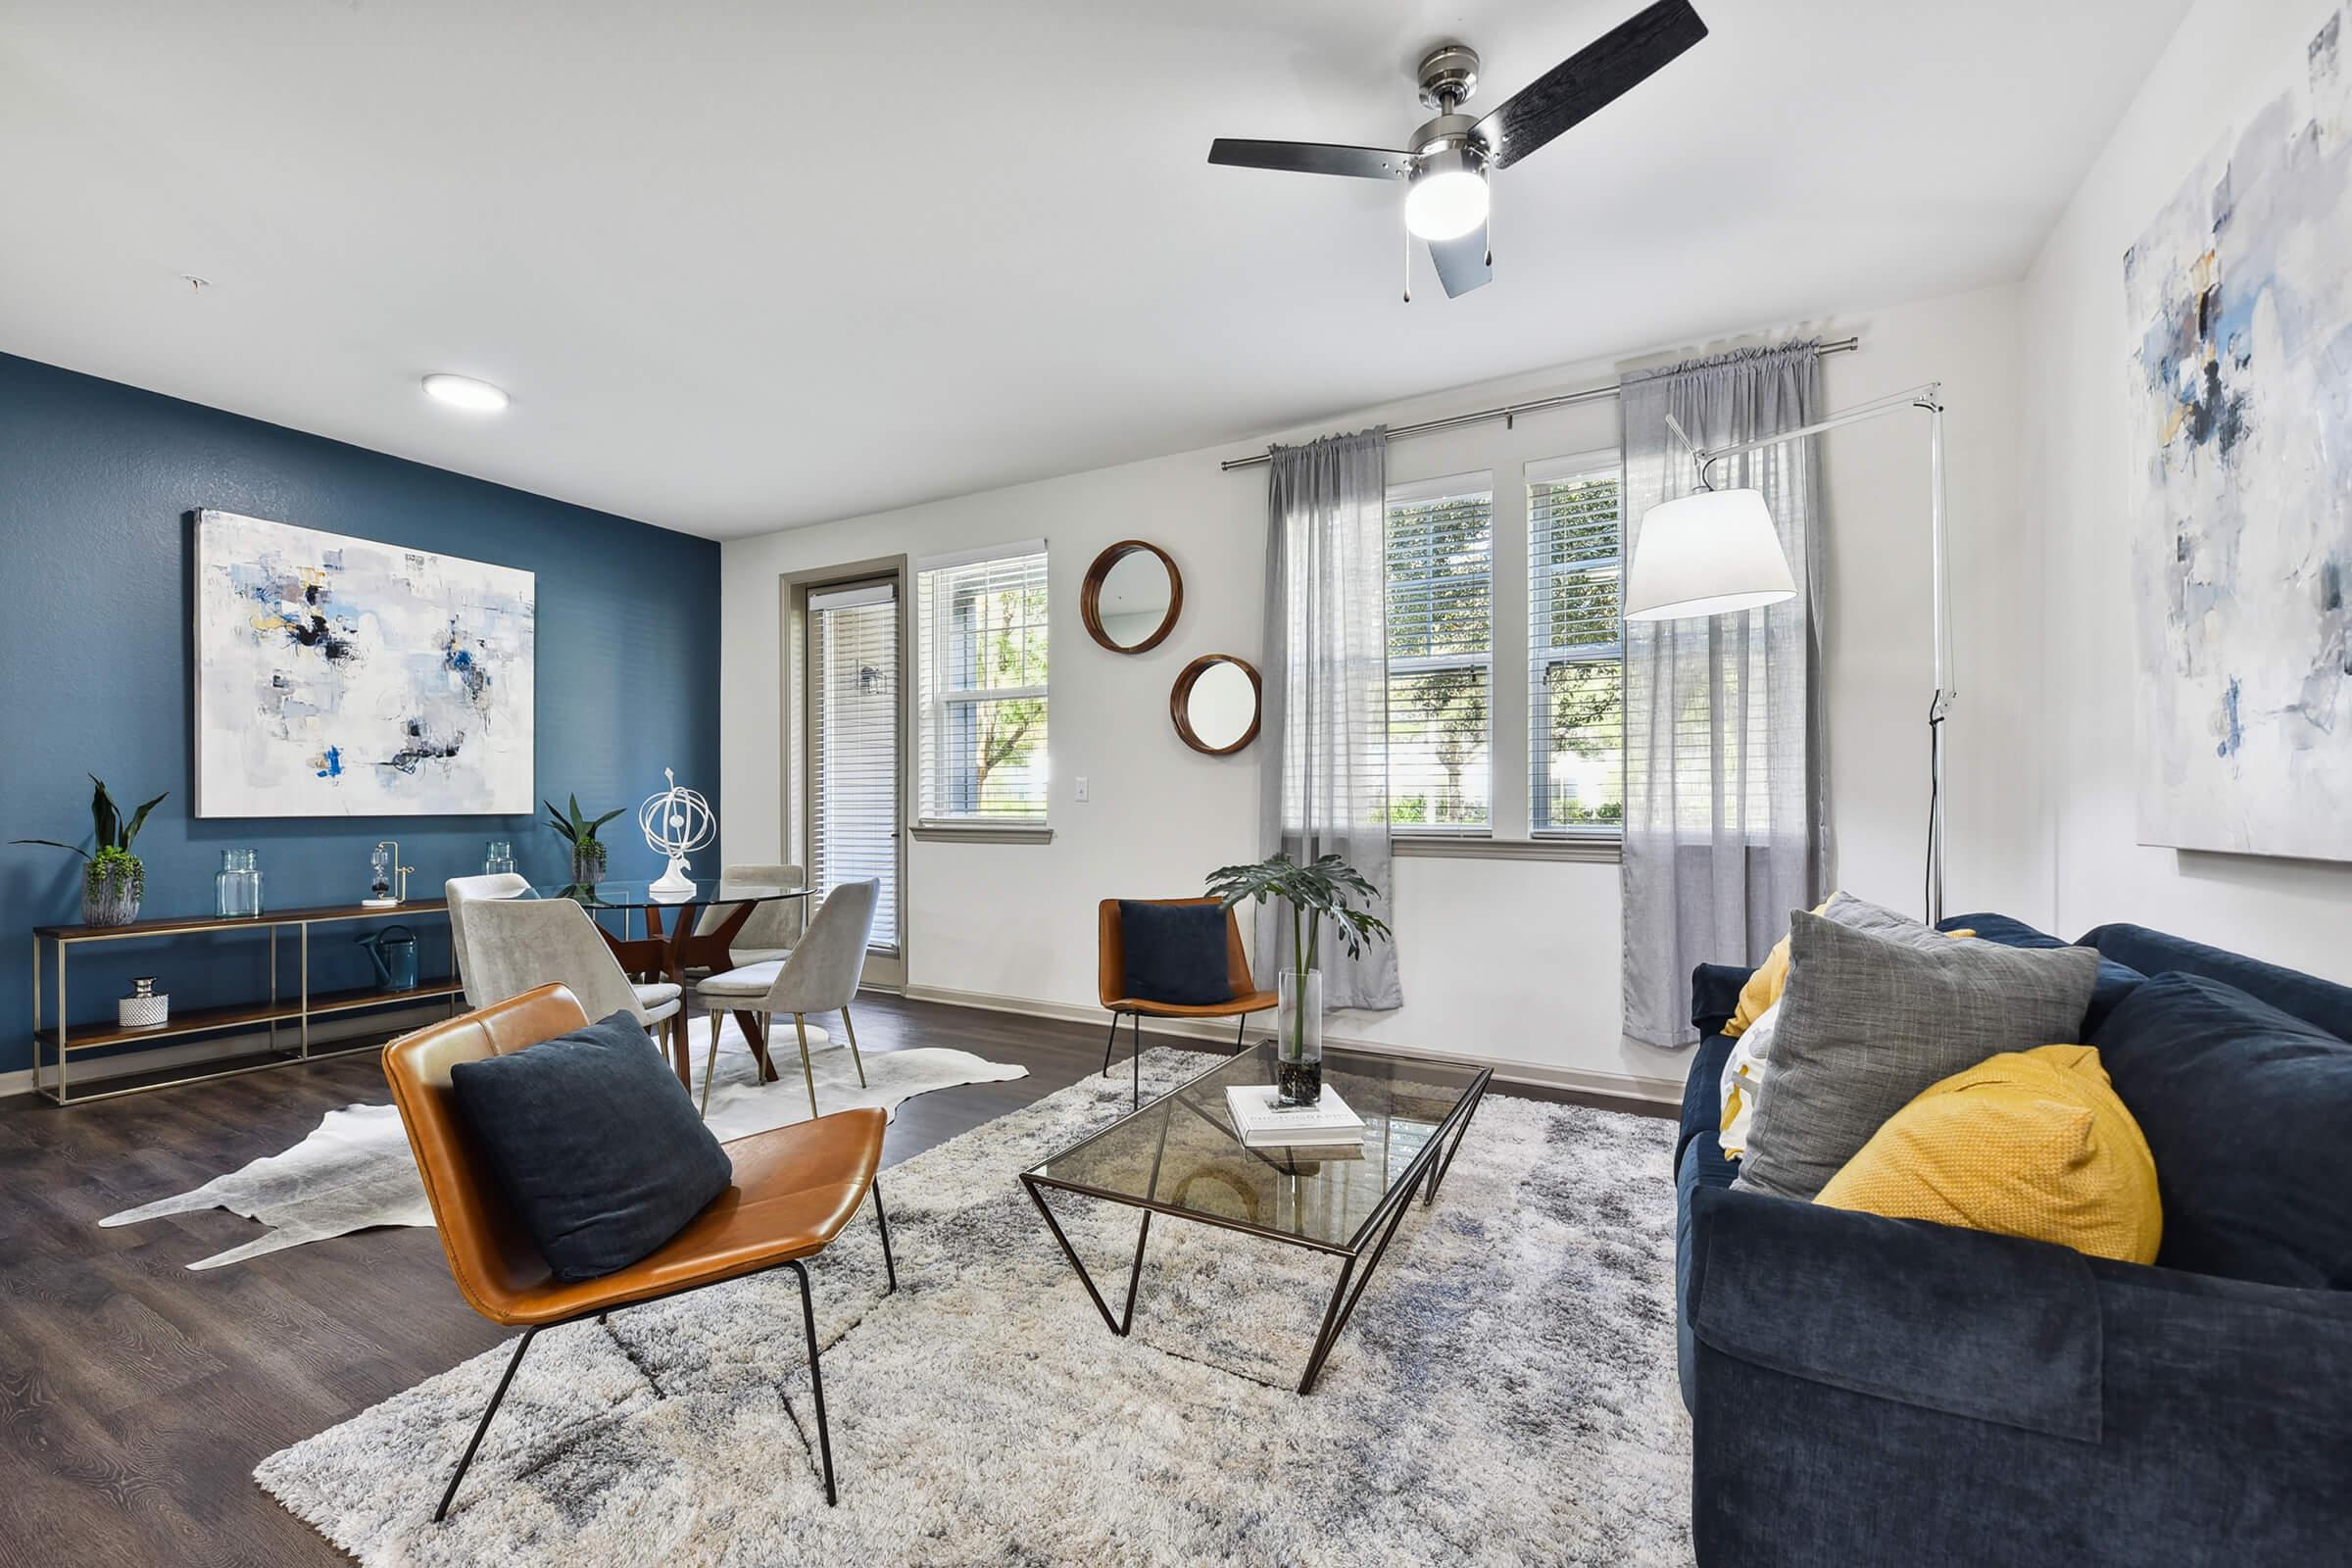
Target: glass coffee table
{"x":1179,"y":1156}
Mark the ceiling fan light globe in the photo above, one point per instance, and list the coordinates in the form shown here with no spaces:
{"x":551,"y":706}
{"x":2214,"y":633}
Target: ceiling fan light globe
{"x":1445,"y":203}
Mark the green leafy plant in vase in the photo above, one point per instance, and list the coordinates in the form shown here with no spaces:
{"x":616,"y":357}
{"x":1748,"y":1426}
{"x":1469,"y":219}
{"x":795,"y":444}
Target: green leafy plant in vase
{"x":112,"y":881}
{"x":1323,"y":891}
{"x":578,"y":831}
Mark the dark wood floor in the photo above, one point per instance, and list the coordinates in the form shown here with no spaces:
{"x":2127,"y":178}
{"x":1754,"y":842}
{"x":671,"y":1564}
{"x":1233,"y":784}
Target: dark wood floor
{"x":136,"y":1396}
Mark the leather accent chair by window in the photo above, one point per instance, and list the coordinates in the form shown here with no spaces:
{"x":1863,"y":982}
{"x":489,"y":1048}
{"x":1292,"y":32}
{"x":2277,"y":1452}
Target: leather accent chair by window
{"x":795,"y":1188}
{"x":1111,"y":984}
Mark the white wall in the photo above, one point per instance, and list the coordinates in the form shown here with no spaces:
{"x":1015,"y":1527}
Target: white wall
{"x":2229,"y":58}
{"x":1512,"y":961}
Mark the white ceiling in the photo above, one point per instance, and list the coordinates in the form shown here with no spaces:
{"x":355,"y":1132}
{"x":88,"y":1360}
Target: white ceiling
{"x":756,"y":264}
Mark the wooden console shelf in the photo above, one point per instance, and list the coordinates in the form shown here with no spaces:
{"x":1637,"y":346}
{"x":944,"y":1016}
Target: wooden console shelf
{"x":57,"y":1039}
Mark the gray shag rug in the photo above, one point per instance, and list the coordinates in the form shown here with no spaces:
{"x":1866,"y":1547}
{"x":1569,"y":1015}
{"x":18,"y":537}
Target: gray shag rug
{"x":1504,"y":1394}
{"x":354,"y":1171}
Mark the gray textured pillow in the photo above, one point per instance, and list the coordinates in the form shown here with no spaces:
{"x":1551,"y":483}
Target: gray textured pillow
{"x":1867,"y":1021}
{"x":1860,"y":914}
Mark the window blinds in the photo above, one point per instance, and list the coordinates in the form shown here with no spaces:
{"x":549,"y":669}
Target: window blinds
{"x":1440,"y":576}
{"x":983,"y":651}
{"x":853,"y":711}
{"x":1574,"y":550}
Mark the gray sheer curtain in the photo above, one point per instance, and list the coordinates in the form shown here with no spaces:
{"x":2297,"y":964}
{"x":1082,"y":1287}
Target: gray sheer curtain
{"x":1726,"y":803}
{"x":1324,"y":777}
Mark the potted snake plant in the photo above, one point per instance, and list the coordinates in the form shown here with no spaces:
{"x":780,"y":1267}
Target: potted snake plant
{"x":112,"y":881}
{"x":578,"y":831}
{"x":1321,"y":892}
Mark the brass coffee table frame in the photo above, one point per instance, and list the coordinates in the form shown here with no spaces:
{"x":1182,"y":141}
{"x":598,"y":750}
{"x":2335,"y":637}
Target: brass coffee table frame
{"x":1361,"y":1253}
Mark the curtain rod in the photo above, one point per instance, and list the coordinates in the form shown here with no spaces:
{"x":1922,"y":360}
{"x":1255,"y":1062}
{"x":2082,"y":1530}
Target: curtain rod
{"x":1508,"y":412}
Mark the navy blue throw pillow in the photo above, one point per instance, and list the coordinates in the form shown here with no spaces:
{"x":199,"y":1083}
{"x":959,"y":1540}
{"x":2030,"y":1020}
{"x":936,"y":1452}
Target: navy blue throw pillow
{"x":1175,"y":953}
{"x":2244,"y":1108}
{"x":595,"y":1143}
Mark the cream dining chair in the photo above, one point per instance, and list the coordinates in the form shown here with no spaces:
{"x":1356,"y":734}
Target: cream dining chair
{"x":518,"y":945}
{"x":460,"y":891}
{"x":772,"y":927}
{"x":820,"y":976}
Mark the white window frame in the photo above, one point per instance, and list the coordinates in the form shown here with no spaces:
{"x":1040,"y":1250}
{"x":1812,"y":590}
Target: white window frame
{"x":1414,"y":492}
{"x":935,"y":700}
{"x":1540,"y":658}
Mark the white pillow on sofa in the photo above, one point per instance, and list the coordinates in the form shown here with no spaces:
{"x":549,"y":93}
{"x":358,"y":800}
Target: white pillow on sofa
{"x":1744,"y":1081}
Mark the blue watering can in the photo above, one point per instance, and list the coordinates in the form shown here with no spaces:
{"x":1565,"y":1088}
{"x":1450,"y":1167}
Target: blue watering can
{"x":393,"y":951}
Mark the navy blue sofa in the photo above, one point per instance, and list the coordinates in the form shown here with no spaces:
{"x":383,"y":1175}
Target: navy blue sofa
{"x":1874,"y":1390}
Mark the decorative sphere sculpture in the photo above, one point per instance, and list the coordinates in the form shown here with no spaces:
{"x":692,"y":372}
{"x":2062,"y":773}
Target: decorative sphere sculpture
{"x":675,"y":823}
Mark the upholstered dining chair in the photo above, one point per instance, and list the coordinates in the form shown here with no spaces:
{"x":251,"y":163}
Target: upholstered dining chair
{"x":772,"y":928}
{"x":460,"y":891}
{"x":794,"y":1189}
{"x":517,"y":945}
{"x":1110,"y":982}
{"x":820,"y":976}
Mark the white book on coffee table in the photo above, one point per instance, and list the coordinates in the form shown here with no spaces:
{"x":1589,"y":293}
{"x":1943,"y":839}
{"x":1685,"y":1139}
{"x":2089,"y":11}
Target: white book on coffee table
{"x":1259,"y":1121}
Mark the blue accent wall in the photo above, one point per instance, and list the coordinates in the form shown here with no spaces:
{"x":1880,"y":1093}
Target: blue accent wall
{"x":97,"y":483}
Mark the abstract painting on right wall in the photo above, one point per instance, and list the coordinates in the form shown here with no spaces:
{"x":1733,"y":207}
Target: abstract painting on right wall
{"x":2240,"y":299}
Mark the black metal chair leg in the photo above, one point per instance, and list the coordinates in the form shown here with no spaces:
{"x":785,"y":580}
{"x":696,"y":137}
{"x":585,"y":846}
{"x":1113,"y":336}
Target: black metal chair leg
{"x":889,"y":1264}
{"x":1240,"y":1030}
{"x":484,"y":1425}
{"x":1111,"y":1044}
{"x":817,"y":1380}
{"x":1136,"y":1098}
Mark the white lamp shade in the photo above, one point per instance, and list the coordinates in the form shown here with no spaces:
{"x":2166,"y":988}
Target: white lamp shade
{"x":1710,"y":553}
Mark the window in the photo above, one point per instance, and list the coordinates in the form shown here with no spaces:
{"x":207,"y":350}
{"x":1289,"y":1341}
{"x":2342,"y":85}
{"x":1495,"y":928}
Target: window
{"x":853,"y":749}
{"x":1576,"y":646}
{"x":981,"y":625}
{"x":1441,"y":567}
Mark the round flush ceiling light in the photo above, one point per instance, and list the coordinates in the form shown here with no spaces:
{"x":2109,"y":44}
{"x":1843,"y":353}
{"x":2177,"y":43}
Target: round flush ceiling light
{"x":464,"y":392}
{"x":1448,"y":195}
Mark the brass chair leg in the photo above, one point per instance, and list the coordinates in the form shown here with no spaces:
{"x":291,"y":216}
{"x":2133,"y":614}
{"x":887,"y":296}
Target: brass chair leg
{"x":710,"y":1067}
{"x":854,"y":1056}
{"x":801,"y":1025}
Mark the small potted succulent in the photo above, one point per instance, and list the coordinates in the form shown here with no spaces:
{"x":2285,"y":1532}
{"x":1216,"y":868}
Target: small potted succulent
{"x":112,"y":881}
{"x":578,"y":831}
{"x":1323,"y":890}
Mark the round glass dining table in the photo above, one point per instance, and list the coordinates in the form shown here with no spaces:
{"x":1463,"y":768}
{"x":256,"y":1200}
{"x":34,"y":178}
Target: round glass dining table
{"x":673,"y":943}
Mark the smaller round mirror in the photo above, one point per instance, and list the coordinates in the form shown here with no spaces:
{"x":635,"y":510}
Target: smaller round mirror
{"x":1132,"y":597}
{"x":1214,"y":704}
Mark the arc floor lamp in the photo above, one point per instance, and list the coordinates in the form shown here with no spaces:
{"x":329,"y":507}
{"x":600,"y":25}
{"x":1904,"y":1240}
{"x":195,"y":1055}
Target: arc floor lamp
{"x":1717,"y":553}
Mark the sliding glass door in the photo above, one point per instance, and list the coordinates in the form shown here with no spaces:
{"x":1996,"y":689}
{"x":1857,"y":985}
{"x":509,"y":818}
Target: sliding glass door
{"x":853,"y":749}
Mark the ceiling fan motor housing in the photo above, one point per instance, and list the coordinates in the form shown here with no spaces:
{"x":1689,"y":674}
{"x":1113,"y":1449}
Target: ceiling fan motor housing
{"x":1448,"y":77}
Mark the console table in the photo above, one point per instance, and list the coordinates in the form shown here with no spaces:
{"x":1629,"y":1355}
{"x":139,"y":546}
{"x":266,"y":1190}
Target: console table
{"x":64,"y":1040}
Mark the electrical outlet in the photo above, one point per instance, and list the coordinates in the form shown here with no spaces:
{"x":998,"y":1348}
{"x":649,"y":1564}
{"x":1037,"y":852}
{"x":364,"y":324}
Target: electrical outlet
{"x":1082,"y":791}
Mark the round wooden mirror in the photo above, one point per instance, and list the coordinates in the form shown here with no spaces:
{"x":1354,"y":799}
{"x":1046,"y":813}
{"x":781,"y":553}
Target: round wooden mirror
{"x":1214,"y":704}
{"x":1132,"y":597}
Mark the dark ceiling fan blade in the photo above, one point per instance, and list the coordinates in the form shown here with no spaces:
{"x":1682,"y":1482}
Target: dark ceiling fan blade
{"x":1462,"y":263}
{"x":1311,"y":158}
{"x":1590,"y":79}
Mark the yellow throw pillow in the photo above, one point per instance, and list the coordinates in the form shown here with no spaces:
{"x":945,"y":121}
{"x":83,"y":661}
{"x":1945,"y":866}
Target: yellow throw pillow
{"x":1764,"y":987}
{"x":2029,"y":1143}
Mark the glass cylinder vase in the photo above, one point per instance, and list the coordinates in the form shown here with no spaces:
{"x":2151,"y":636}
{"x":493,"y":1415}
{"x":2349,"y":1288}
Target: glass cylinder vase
{"x":1299,"y":1045}
{"x":237,"y":888}
{"x":587,"y":864}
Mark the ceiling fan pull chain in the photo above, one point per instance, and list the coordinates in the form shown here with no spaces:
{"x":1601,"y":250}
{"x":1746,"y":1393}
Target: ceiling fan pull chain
{"x":1408,"y":265}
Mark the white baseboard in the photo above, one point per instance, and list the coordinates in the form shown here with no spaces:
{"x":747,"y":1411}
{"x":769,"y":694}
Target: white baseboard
{"x":1625,"y":1086}
{"x":190,"y":1052}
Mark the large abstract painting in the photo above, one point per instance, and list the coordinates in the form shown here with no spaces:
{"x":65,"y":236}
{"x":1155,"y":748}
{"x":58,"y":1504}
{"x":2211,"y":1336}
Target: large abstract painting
{"x":342,"y":677}
{"x":2240,"y":299}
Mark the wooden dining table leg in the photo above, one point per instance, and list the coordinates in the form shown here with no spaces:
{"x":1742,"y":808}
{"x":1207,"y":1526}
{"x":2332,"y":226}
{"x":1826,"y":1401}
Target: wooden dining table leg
{"x":676,"y":1025}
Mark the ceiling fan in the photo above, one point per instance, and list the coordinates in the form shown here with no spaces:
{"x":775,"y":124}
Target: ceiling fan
{"x":1445,"y":201}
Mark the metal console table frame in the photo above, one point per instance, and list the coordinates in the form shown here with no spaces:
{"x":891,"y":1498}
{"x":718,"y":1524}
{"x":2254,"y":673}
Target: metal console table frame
{"x":60,"y":1042}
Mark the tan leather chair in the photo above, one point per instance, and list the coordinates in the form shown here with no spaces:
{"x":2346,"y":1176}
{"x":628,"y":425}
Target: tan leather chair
{"x":1111,"y":982}
{"x":794,"y":1188}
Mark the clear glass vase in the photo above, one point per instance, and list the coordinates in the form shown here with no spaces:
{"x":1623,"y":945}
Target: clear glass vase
{"x":587,"y":864}
{"x":1299,"y":1046}
{"x":237,"y":890}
